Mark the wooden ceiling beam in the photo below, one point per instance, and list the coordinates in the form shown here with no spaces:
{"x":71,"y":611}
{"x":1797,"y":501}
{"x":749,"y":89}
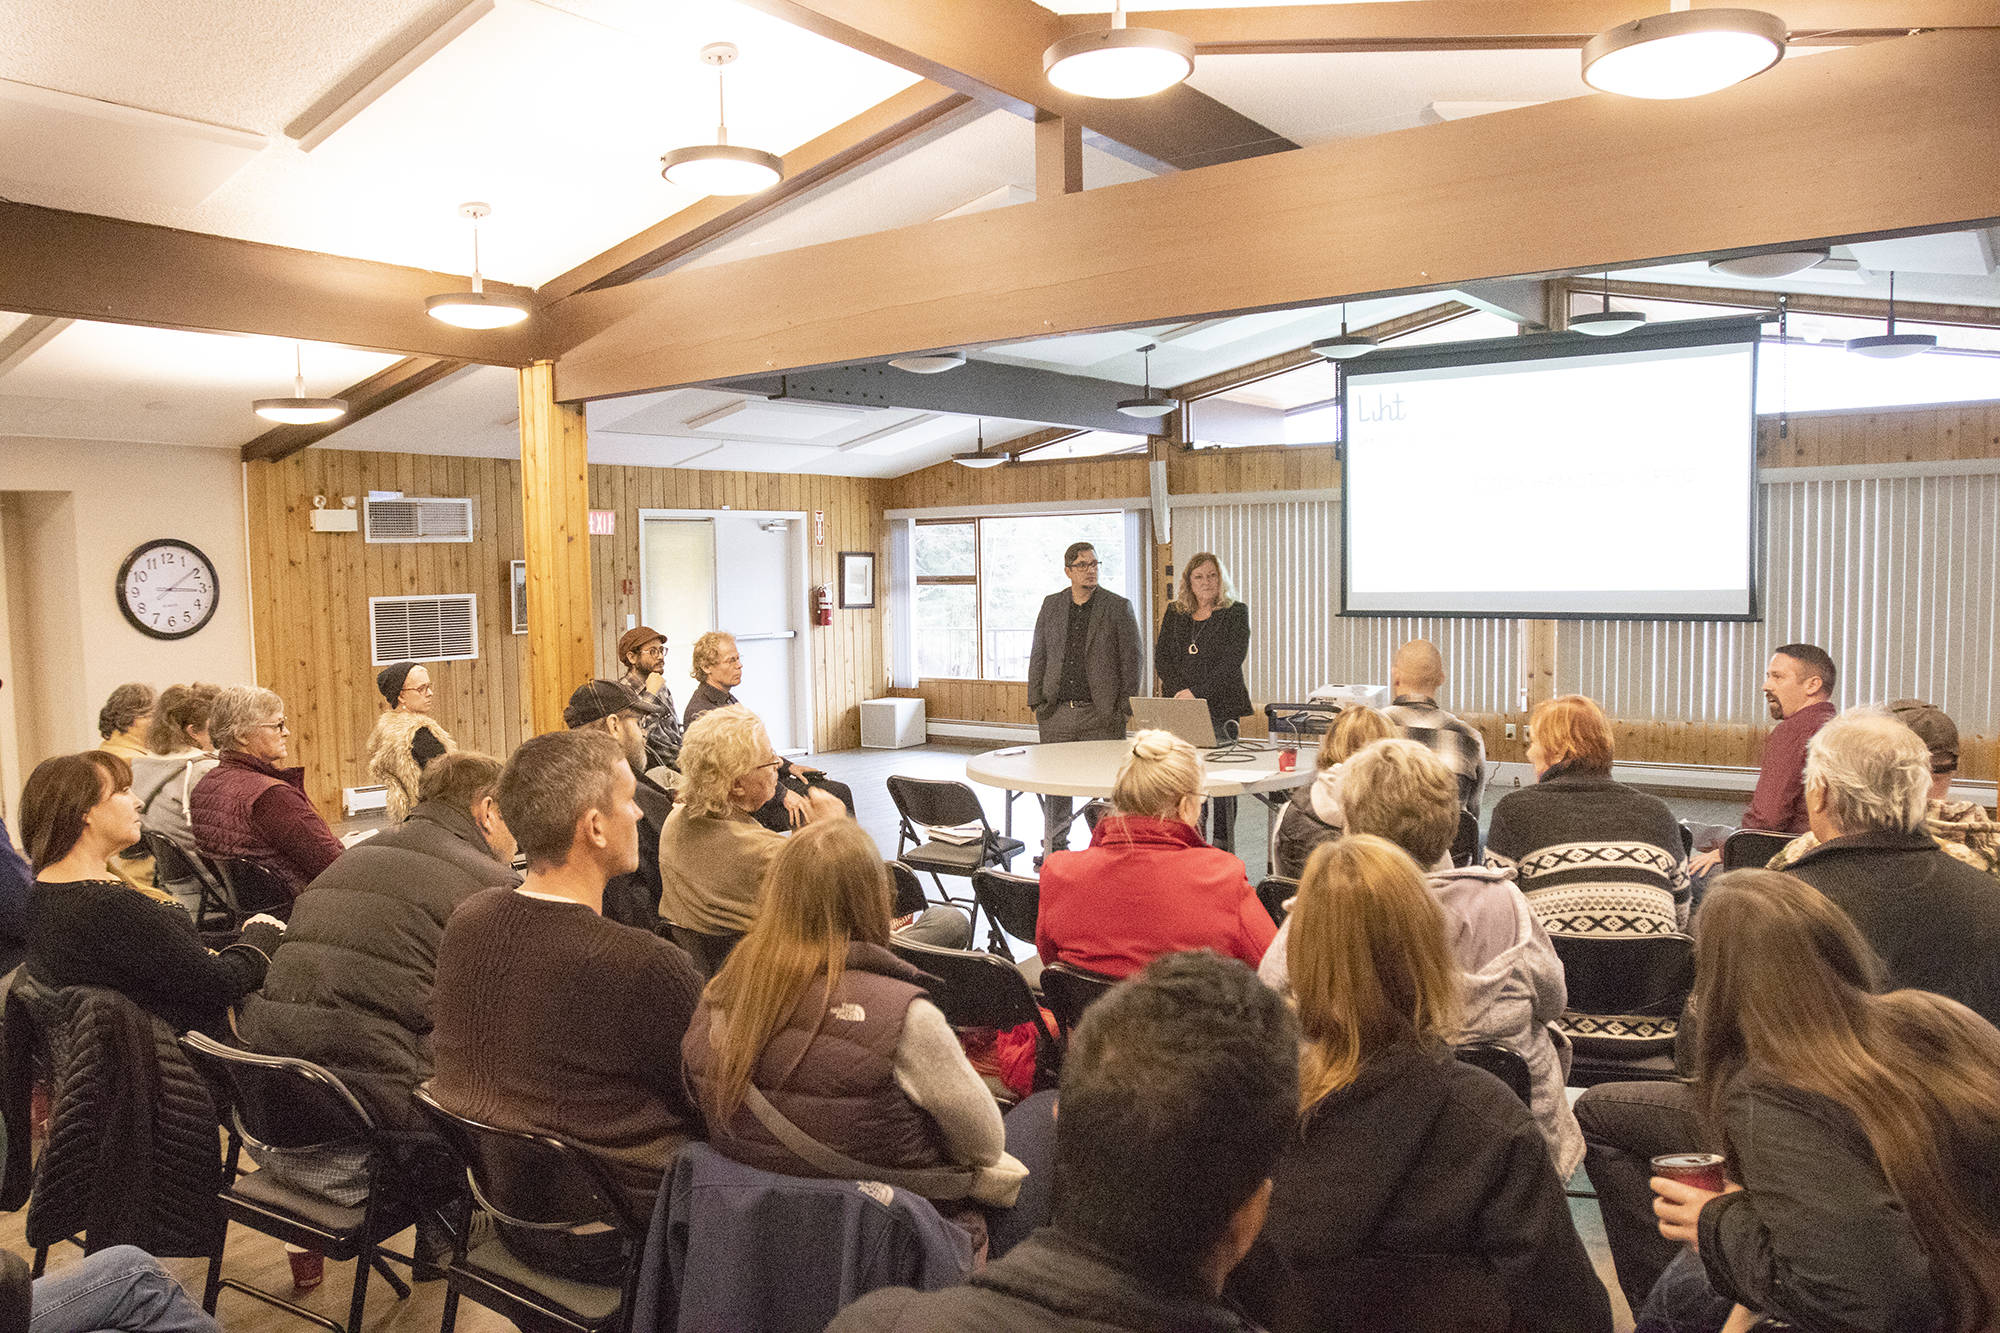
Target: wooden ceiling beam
{"x":1448,"y":25}
{"x":992,"y":50}
{"x":1828,"y":149}
{"x":391,"y":384}
{"x":28,"y":337}
{"x":82,"y":266}
{"x":918,"y":110}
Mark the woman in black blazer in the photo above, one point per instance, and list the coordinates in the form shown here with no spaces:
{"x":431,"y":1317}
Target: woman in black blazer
{"x":1204,"y":637}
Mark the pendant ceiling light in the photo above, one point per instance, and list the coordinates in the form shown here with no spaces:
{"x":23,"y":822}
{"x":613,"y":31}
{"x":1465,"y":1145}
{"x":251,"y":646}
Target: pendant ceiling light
{"x":1683,"y":53}
{"x":721,"y":167}
{"x":1888,"y":346}
{"x":478,"y":308}
{"x":1770,"y":263}
{"x":1119,"y":61}
{"x":299,"y":410}
{"x":1150,"y":404}
{"x":1347,"y":345}
{"x":1607,"y":322}
{"x":979,"y":457}
{"x":935,"y":363}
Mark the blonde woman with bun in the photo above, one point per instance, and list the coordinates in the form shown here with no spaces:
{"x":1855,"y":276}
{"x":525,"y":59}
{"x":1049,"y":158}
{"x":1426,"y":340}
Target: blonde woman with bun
{"x":1148,"y":885}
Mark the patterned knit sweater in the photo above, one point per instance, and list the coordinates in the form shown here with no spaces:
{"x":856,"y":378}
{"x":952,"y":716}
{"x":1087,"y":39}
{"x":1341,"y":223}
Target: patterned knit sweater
{"x":1594,"y":857}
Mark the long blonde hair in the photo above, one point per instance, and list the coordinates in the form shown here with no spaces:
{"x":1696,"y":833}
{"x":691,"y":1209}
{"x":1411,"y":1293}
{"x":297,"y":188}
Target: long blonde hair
{"x":827,"y":888}
{"x":1786,"y":985}
{"x":1370,"y":965}
{"x":1225,"y":596}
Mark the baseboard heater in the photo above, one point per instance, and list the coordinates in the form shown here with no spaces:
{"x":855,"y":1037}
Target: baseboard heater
{"x":363,"y":800}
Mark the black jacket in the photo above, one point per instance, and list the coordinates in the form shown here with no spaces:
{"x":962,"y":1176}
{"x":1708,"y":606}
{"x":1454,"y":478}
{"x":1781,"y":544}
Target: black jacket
{"x":131,"y":1156}
{"x":1213,"y":674}
{"x":633,"y":898}
{"x":1110,"y":652}
{"x":1816,"y":1236}
{"x":350,"y":988}
{"x":1049,"y":1283}
{"x":1934,"y":920}
{"x":1420,"y":1196}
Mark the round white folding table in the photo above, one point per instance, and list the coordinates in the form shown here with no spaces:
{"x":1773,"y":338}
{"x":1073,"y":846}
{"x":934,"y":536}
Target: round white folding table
{"x":1088,"y":768}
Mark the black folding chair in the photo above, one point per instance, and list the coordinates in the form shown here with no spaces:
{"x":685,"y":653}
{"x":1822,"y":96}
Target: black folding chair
{"x":981,"y":991}
{"x":1274,"y":892}
{"x":255,"y":888}
{"x":1687,"y":839}
{"x":1465,"y":843}
{"x":1299,"y":722}
{"x":929,"y":803}
{"x":1503,"y":1064}
{"x":1626,"y":993}
{"x":1070,"y":990}
{"x":536,"y":1183}
{"x":1013,"y":903}
{"x":709,"y":952}
{"x":288,"y":1108}
{"x":174,"y":867}
{"x":909,"y":890}
{"x":1752,"y":849}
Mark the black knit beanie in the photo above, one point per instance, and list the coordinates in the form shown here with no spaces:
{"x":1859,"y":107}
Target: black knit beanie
{"x":390,"y":680}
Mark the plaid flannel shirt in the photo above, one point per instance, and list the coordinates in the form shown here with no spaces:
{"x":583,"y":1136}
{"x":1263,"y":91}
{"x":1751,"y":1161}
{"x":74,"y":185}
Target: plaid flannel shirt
{"x":1458,"y":743}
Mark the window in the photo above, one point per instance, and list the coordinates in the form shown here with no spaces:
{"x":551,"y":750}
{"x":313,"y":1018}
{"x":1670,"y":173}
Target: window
{"x":981,"y":581}
{"x":1088,"y":444}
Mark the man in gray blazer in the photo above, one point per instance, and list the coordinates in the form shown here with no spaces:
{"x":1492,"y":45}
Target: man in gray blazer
{"x":1082,"y":671}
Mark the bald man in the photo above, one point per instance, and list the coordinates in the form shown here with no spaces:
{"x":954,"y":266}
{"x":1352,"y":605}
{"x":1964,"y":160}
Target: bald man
{"x":1416,"y":674}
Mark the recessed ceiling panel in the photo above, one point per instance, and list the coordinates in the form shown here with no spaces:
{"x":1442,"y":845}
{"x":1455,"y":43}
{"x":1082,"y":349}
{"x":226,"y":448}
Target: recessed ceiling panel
{"x":48,"y":137}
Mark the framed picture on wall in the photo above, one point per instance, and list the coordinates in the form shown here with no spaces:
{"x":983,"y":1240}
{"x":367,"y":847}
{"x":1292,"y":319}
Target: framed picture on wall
{"x":857,"y":580}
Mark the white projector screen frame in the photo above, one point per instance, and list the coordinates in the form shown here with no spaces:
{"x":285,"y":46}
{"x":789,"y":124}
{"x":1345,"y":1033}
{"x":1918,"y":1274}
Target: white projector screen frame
{"x":1724,"y":348}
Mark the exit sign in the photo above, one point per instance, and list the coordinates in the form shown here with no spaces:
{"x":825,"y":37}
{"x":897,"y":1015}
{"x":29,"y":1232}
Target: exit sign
{"x":603,"y":522}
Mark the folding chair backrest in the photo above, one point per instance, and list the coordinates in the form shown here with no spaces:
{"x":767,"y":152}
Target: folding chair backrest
{"x":256,"y":888}
{"x":171,"y":863}
{"x":1687,"y":839}
{"x":980,"y":990}
{"x":1015,"y":901}
{"x":1071,"y":990}
{"x":530,"y":1180}
{"x":1274,"y":893}
{"x":1503,"y":1064}
{"x":1751,"y":849}
{"x":932,"y":802}
{"x":1626,"y":974}
{"x":909,"y":890}
{"x":1465,"y":843}
{"x":709,"y":952}
{"x":279,"y":1101}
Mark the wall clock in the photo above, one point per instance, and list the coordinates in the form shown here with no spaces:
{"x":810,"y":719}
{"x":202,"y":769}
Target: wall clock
{"x":167,"y":589}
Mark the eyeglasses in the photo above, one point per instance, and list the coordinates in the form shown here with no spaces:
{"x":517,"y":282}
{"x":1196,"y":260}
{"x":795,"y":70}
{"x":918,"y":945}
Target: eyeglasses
{"x":278,"y":726}
{"x":419,"y":689}
{"x":768,"y":763}
{"x":1084,"y":564}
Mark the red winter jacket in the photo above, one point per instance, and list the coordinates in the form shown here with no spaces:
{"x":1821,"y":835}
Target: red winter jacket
{"x":1146,"y":887}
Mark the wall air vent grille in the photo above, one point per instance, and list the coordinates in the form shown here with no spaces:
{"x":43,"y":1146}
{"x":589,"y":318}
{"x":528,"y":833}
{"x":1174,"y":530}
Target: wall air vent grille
{"x":418,"y":519}
{"x":423,"y":629}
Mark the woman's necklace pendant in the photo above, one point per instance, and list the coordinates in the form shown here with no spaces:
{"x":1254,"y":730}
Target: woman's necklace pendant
{"x":1194,"y":650}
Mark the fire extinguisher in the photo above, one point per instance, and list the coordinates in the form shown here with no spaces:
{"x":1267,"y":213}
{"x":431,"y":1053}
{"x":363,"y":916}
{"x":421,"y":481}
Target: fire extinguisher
{"x":823,"y":604}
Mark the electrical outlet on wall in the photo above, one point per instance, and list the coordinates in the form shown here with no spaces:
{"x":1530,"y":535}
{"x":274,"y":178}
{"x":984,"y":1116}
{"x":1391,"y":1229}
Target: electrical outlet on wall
{"x":1511,"y":727}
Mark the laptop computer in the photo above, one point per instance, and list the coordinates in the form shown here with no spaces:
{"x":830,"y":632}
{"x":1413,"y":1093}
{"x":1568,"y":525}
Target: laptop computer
{"x":1186,"y":718}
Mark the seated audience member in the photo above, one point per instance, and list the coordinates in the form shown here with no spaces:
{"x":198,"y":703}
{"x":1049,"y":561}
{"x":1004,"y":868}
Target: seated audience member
{"x":1397,"y":789}
{"x":642,"y":652}
{"x":1412,"y":1174}
{"x":247,"y":806}
{"x":719,"y":667}
{"x":123,"y":722}
{"x":1595,"y":857}
{"x":406,"y":737}
{"x":351,"y":987}
{"x":813,"y":1021}
{"x":1179,"y":1091}
{"x":631,"y":899}
{"x":85,"y":929}
{"x":1862,"y":1129}
{"x":117,"y":1290}
{"x":1963,"y":829}
{"x":1148,"y":885}
{"x":1312,"y":815}
{"x":551,"y":1019}
{"x":180,"y":754}
{"x":15,"y":880}
{"x":713,"y":852}
{"x":1798,"y":691}
{"x":1416,"y":674}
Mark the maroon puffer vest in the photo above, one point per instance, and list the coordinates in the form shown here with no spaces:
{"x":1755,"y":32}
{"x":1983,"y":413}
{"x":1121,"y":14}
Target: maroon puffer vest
{"x":839,"y":1086}
{"x":219,"y":808}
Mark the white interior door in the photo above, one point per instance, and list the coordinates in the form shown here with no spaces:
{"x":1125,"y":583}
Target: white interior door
{"x":677,"y":585}
{"x":760,"y":596}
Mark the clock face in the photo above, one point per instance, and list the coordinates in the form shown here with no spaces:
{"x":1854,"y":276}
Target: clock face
{"x":167,"y":589}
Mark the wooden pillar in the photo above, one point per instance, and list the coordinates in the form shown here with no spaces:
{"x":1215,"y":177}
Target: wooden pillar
{"x":555,"y":511}
{"x":1058,"y":156}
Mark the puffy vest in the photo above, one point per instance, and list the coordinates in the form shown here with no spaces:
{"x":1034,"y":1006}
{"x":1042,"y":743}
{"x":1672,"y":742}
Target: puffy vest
{"x":839,"y":1084}
{"x":219,"y":810}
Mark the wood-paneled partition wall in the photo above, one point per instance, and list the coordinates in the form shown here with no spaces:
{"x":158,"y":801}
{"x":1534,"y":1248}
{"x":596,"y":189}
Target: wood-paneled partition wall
{"x":310,"y":591}
{"x":1846,"y":439}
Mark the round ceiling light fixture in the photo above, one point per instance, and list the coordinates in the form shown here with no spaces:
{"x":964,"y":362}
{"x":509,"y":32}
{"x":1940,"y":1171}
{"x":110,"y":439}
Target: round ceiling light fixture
{"x":933,"y":363}
{"x":478,"y":308}
{"x":1769,"y":264}
{"x":1149,"y":404}
{"x":1685,"y":53}
{"x":979,"y":458}
{"x":1891,"y":345}
{"x":1119,"y":62}
{"x":1345,"y":346}
{"x":721,"y":167}
{"x":299,"y":410}
{"x":1607,"y":322}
